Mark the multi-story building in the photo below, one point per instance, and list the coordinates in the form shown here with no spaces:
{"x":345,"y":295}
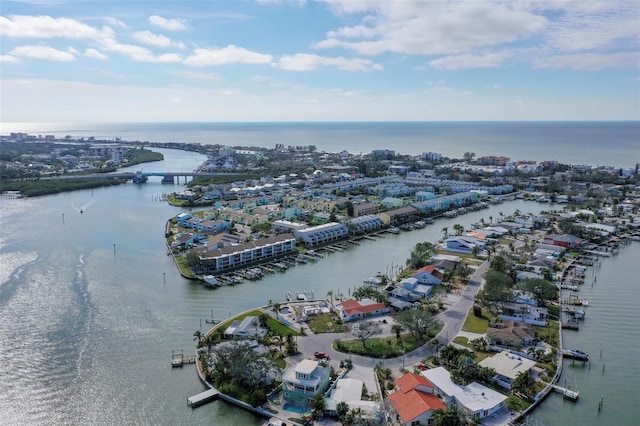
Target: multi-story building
{"x":322,"y":234}
{"x":300,"y":383}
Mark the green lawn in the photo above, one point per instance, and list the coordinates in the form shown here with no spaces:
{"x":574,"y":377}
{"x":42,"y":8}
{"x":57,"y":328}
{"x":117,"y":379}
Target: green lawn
{"x":474,"y":324}
{"x":326,"y":323}
{"x":275,"y":326}
{"x":386,"y":347}
{"x":478,"y":355}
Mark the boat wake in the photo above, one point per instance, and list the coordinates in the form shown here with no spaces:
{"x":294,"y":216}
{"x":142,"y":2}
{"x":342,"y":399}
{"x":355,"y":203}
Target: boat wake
{"x":84,"y":207}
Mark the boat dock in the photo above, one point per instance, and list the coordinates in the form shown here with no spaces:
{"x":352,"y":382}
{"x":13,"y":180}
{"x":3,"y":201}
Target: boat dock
{"x":178,"y":359}
{"x":566,"y":393}
{"x":203,"y":398}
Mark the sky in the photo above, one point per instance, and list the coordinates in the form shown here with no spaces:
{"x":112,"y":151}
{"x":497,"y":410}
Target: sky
{"x":318,"y":60}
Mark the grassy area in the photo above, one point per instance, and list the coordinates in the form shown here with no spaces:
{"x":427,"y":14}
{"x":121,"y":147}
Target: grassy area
{"x":478,"y":355}
{"x":275,"y":326}
{"x":326,"y":323}
{"x":385,"y":347}
{"x":550,"y":333}
{"x":474,"y":324}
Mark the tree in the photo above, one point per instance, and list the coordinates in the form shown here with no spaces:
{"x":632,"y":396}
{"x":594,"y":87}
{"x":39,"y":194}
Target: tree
{"x":342,"y":408}
{"x":365,"y":329}
{"x":449,"y":353}
{"x":445,"y":230}
{"x":497,"y":287}
{"x":330,"y":295}
{"x":397,"y":329}
{"x":499,"y":263}
{"x":197,"y":336}
{"x":458,"y":228}
{"x":543,"y":290}
{"x":350,"y":210}
{"x":522,"y":383}
{"x":420,"y":255}
{"x":417,"y":322}
{"x":475,"y":250}
{"x":452,"y":416}
{"x":468,"y":156}
{"x":468,"y":368}
{"x":318,"y":405}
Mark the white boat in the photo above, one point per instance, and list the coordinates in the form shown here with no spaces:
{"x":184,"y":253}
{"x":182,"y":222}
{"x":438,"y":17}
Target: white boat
{"x":211,"y":281}
{"x":394,"y":230}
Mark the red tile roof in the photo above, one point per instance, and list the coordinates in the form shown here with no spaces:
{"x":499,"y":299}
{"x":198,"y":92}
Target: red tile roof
{"x":352,"y":307}
{"x":410,"y":403}
{"x":411,"y":380}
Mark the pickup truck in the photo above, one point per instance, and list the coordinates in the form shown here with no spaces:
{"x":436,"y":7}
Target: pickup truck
{"x":321,"y":355}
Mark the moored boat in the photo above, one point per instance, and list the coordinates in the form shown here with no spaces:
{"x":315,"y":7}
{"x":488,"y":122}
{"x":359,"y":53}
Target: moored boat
{"x":211,"y":281}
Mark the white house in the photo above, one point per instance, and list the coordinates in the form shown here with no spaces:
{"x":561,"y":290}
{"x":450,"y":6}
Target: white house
{"x":475,"y":399}
{"x":507,"y":367}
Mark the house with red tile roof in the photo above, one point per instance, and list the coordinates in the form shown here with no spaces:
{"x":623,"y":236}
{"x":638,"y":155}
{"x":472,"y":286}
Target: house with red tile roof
{"x":428,"y":275}
{"x":351,"y":310}
{"x":414,"y":401}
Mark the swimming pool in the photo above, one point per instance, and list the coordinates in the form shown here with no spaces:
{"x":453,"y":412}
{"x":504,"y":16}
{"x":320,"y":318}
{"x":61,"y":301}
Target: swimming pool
{"x":295,"y":408}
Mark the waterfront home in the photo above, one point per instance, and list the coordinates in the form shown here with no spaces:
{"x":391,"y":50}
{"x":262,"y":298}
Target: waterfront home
{"x":349,"y":391}
{"x":187,"y":239}
{"x":521,"y":312}
{"x":511,"y":334}
{"x":428,"y":275}
{"x":567,"y":241}
{"x":400,"y":216}
{"x":364,"y":224}
{"x":474,"y":399}
{"x":208,"y":226}
{"x":236,"y":256}
{"x":222,"y":240}
{"x":507,"y":367}
{"x":182,"y":219}
{"x":321,"y":234}
{"x":414,"y":402}
{"x":416,"y":288}
{"x":247,"y":328}
{"x":284,"y":226}
{"x":463,"y":244}
{"x":352,"y":310}
{"x":301,"y":382}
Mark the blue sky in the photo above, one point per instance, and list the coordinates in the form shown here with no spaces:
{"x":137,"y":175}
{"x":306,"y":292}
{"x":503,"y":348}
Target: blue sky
{"x":325,"y":60}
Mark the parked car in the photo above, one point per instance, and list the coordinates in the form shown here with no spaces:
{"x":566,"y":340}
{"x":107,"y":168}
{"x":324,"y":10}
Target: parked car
{"x":321,"y":355}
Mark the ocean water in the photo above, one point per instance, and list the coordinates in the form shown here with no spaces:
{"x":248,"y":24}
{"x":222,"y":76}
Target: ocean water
{"x":592,"y":143}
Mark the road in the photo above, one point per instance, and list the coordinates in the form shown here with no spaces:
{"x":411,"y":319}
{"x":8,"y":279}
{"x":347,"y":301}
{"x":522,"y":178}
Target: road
{"x":453,"y":319}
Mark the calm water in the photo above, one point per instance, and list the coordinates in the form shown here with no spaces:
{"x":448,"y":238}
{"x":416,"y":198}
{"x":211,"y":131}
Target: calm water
{"x":91,"y":308}
{"x":594,"y":143}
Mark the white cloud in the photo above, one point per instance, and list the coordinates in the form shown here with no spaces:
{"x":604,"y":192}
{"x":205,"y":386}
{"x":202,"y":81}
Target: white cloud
{"x":157,"y":40}
{"x":22,"y":26}
{"x":590,"y":26}
{"x":8,"y":58}
{"x":93,"y":53}
{"x":42,"y":52}
{"x":227,"y":55}
{"x":466,"y":61}
{"x":115,"y":22}
{"x":168,"y":24}
{"x":430,"y":28}
{"x":590,"y":61}
{"x":308,"y":62}
{"x":138,"y":53}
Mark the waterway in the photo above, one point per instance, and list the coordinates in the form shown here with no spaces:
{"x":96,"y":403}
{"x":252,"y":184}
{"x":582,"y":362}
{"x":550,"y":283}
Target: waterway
{"x":91,"y":308}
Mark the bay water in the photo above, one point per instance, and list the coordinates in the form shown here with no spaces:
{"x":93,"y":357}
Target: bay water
{"x":91,"y":308}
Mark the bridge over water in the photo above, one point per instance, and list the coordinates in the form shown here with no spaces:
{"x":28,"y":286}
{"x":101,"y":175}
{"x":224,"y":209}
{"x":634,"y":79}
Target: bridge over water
{"x":167,"y":177}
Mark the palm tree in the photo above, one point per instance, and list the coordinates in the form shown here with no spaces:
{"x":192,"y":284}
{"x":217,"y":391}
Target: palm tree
{"x":468,"y":368}
{"x":208,"y":341}
{"x":449,"y":353}
{"x":452,"y":416}
{"x":342,"y":408}
{"x":197,"y":336}
{"x":330,"y":295}
{"x":475,"y":250}
{"x":445,"y":230}
{"x":458,"y":228}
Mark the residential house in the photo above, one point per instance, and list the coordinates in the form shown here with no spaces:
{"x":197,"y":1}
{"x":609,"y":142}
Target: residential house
{"x":428,"y":275}
{"x":522,"y":312}
{"x":414,"y":401}
{"x":284,"y":226}
{"x":351,"y":310}
{"x":566,"y":240}
{"x":365,"y":209}
{"x":246,"y":328}
{"x":474,"y":399}
{"x":413,"y":285}
{"x":463,"y":244}
{"x":301,"y":382}
{"x":208,"y":226}
{"x":507,"y":367}
{"x":511,"y":334}
{"x":349,"y":390}
{"x":364,"y":224}
{"x":400,"y":216}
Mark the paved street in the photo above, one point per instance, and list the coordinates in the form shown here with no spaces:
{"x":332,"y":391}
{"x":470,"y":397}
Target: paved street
{"x":453,"y":318}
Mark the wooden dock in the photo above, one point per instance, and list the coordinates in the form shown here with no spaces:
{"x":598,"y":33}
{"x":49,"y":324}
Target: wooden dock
{"x":178,"y":359}
{"x":571,"y":325}
{"x":203,"y":398}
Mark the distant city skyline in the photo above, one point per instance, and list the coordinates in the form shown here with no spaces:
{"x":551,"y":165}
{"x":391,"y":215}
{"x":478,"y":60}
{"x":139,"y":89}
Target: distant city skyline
{"x":325,"y":60}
